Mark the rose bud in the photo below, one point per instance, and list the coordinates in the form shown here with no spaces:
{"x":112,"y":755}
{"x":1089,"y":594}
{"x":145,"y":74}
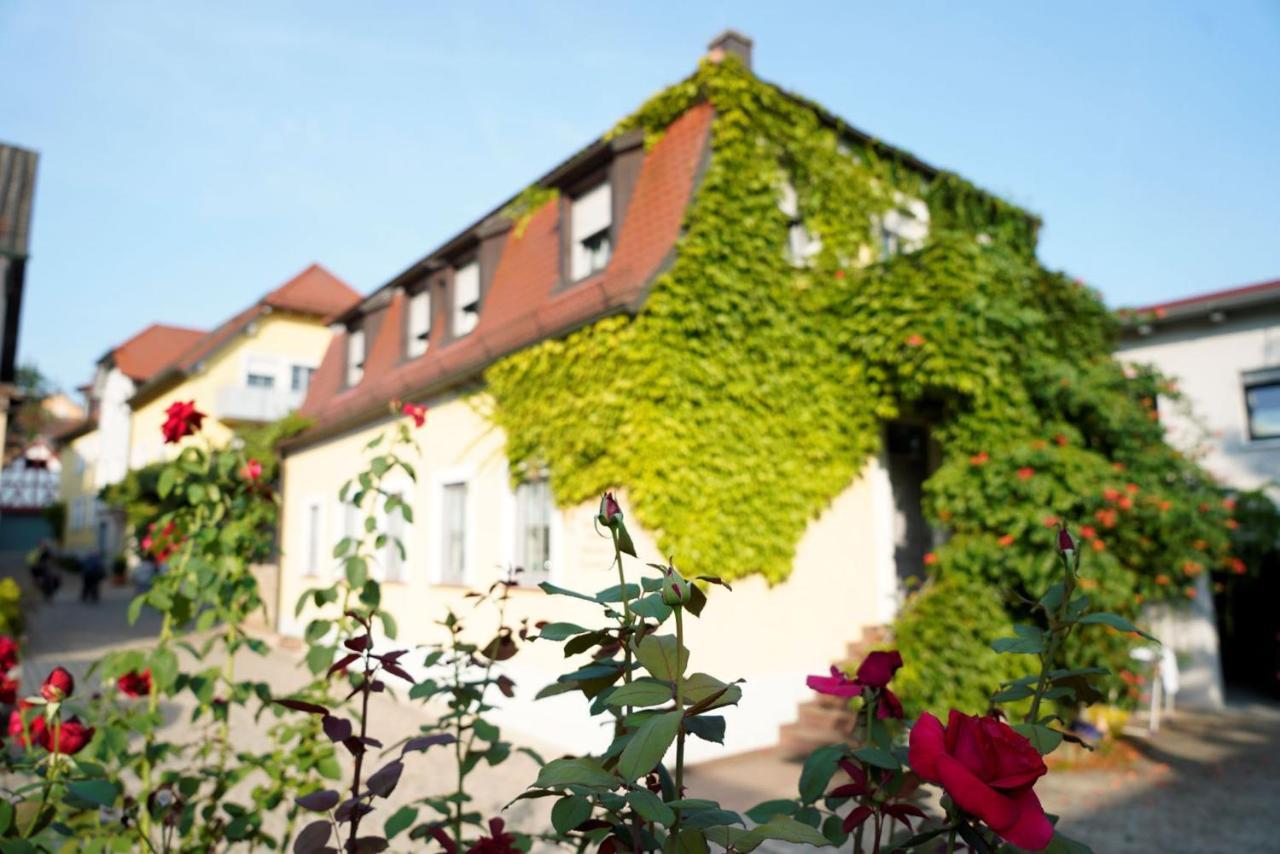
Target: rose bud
{"x":58,"y":685}
{"x":72,"y":735}
{"x":675,"y":589}
{"x":1066,"y":545}
{"x":609,"y":509}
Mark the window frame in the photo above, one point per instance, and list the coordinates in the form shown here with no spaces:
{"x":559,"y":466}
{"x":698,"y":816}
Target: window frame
{"x":421,"y":339}
{"x":294,"y":367}
{"x":592,"y":184}
{"x":1250,"y":381}
{"x":516,"y":530}
{"x":313,"y":529}
{"x":438,"y":529}
{"x":456,"y":310}
{"x":353,"y":374}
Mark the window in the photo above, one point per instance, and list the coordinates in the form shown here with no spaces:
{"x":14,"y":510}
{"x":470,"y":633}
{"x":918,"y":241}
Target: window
{"x":350,"y":516}
{"x":591,"y":218}
{"x":801,"y":246}
{"x":904,"y":228}
{"x":355,"y":356}
{"x":466,"y":298}
{"x":300,"y":377}
{"x":1262,"y":399}
{"x":533,"y":531}
{"x":259,"y":380}
{"x":393,"y":558}
{"x":419,"y":323}
{"x":312,"y":566}
{"x":454,"y":534}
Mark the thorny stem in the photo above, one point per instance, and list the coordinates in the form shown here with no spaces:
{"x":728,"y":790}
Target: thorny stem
{"x":457,"y":740}
{"x":951,"y":840}
{"x":624,"y":635}
{"x":679,"y":612}
{"x":1057,"y":632}
{"x":365,"y":690}
{"x":153,"y":708}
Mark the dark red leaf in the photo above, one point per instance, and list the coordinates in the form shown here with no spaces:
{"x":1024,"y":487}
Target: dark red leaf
{"x":354,"y":745}
{"x":370,"y":845}
{"x":506,"y":686}
{"x":313,"y":838}
{"x":446,"y":842}
{"x":321,"y":801}
{"x":396,"y":670}
{"x":359,"y":644}
{"x":303,"y":706}
{"x":338,"y":729}
{"x":423,"y":742}
{"x":383,"y":781}
{"x":855,"y":818}
{"x":341,"y":664}
{"x":348,"y":809}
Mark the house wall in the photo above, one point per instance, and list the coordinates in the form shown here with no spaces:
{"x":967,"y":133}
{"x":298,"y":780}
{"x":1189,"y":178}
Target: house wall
{"x":772,"y":637}
{"x":114,"y":418}
{"x":77,"y":491}
{"x":280,"y":339}
{"x":1207,"y":361}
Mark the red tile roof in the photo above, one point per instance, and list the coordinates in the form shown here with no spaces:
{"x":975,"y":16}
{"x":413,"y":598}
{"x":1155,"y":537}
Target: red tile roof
{"x":526,"y":302}
{"x":315,"y":292}
{"x":1260,"y":292}
{"x":153,"y":349}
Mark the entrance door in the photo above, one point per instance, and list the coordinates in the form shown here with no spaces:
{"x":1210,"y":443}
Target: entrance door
{"x":907,"y":460}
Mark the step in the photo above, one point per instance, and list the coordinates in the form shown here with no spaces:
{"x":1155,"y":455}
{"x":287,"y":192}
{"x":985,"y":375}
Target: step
{"x":838,"y":721}
{"x":824,"y":719}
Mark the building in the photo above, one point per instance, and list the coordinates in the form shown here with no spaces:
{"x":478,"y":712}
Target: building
{"x":95,"y":451}
{"x":602,"y":230}
{"x":251,"y":369}
{"x":17,"y":196}
{"x":1223,"y":351}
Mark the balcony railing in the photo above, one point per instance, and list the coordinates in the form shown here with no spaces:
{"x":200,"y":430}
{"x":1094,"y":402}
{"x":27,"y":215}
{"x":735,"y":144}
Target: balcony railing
{"x":246,"y":403}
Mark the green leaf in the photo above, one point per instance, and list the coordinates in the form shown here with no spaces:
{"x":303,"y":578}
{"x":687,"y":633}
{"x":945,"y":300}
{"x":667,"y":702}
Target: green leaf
{"x":569,"y":812}
{"x":400,"y":821}
{"x":485,"y":731}
{"x":1023,"y":645}
{"x":650,"y":807}
{"x":701,"y":686}
{"x":644,"y":691}
{"x":1043,"y":739}
{"x":738,"y":838}
{"x":706,"y":727}
{"x":787,"y":829}
{"x":165,"y":483}
{"x":1012,"y":693}
{"x":818,"y":770}
{"x":1066,"y":845}
{"x":551,"y":590}
{"x":195,"y":493}
{"x":658,"y":655}
{"x":583,"y":771}
{"x":560,"y":631}
{"x":649,"y":745}
{"x":1115,"y":621}
{"x":878,"y":757}
{"x":762,"y":812}
{"x":101,"y":793}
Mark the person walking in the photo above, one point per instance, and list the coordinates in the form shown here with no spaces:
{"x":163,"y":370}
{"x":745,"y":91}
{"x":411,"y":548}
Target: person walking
{"x":91,"y":575}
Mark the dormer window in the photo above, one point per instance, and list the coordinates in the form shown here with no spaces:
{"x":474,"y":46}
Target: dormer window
{"x":905,"y":227}
{"x":419,"y":331}
{"x":591,"y":220}
{"x":466,"y":298}
{"x":355,"y":356}
{"x":801,"y":246}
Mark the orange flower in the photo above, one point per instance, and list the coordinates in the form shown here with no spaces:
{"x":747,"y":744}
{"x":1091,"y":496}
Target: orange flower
{"x":1061,"y":440}
{"x":1006,"y":541}
{"x":1200,"y":545}
{"x":1099,"y":546}
{"x":944,"y":515}
{"x":1088,"y":532}
{"x":915,"y":340}
{"x":1051,"y":521}
{"x":1191,"y":568}
{"x":1138,"y":599}
{"x":930,"y":559}
{"x":1125,"y":502}
{"x":1229,"y":503}
{"x":1162,"y":579}
{"x":979,"y":458}
{"x":1232,"y":524}
{"x":1026,"y":473}
{"x":1110,"y":494}
{"x":1237,"y":566}
{"x":1132,"y":488}
{"x":839,"y":274}
{"x":1106,"y":517}
{"x":1165,"y":505}
{"x":1038,"y":444}
{"x":1191,"y":592}
{"x":1118,"y":466}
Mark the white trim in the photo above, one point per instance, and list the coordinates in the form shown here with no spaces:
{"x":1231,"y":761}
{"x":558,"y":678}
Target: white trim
{"x":312,"y":537}
{"x":269,"y":365}
{"x":882,"y":506}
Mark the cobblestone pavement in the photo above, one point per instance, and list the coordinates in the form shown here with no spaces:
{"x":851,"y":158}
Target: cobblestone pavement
{"x":1205,"y":783}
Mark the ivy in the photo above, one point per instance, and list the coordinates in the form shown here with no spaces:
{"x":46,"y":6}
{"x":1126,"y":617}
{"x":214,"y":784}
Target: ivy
{"x":749,"y":392}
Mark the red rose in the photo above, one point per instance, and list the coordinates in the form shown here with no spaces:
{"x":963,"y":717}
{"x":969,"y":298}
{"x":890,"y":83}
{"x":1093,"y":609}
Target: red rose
{"x":73,"y":735}
{"x":34,"y":727}
{"x":416,"y":411}
{"x":874,"y":673}
{"x":497,"y":842}
{"x":838,"y":684}
{"x":251,"y":470}
{"x":878,"y":668}
{"x":988,"y":769}
{"x":8,"y":690}
{"x":58,"y":685}
{"x":135,"y":684}
{"x":183,"y":420}
{"x":8,"y":653}
{"x":608,"y":508}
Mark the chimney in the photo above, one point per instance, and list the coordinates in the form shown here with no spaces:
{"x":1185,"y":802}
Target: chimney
{"x":730,"y":42}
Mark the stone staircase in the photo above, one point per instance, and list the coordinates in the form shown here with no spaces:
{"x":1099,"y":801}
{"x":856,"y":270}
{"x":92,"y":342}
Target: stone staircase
{"x":824,"y":719}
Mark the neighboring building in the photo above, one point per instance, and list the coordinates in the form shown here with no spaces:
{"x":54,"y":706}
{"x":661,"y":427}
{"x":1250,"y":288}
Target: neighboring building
{"x":252,"y":369}
{"x":17,"y":195}
{"x":28,"y":488}
{"x":95,"y":452}
{"x":1223,"y":351}
{"x":497,"y":287}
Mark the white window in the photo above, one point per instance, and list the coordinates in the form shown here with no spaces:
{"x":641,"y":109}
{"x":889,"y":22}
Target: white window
{"x":591,"y":216}
{"x":466,"y":298}
{"x":903,"y":228}
{"x":394,"y":528}
{"x":259,"y":371}
{"x":801,"y":246}
{"x":312,"y":533}
{"x":355,"y":356}
{"x":300,"y":377}
{"x":350,"y":516}
{"x":419,"y":323}
{"x":534,"y":508}
{"x":453,"y":567}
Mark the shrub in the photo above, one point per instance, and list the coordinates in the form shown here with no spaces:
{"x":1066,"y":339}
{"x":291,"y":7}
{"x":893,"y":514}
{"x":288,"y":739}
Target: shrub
{"x":12,"y":620}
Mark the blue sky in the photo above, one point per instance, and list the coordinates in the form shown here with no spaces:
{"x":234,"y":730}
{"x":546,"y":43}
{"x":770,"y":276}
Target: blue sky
{"x":196,"y":155}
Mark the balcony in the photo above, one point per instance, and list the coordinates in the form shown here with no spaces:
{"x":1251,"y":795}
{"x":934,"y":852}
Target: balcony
{"x":255,"y":405}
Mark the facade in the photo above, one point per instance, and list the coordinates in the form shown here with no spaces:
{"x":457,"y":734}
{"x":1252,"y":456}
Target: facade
{"x":1223,"y":350}
{"x":17,"y":197}
{"x":252,"y":369}
{"x":518,"y":278}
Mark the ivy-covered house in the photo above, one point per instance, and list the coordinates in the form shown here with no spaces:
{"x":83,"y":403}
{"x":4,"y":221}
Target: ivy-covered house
{"x":809,"y":362}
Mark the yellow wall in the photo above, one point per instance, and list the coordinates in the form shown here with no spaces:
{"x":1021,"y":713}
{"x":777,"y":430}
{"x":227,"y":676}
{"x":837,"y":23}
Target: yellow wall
{"x":78,"y":459}
{"x":290,"y":338}
{"x":771,"y":636}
